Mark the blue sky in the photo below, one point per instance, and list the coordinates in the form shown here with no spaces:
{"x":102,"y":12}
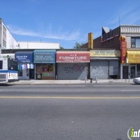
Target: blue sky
{"x":66,"y":21}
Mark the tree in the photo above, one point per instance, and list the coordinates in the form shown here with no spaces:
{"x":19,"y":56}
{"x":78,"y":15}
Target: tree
{"x":62,"y":48}
{"x":78,"y":45}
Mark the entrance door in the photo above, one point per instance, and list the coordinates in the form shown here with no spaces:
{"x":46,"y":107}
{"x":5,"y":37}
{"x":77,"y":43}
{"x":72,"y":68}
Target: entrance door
{"x":132,"y":71}
{"x":31,"y":72}
{"x":125,"y":72}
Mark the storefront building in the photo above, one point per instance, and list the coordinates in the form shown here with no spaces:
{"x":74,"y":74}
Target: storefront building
{"x":104,"y":64}
{"x":130,"y":51}
{"x":44,"y":61}
{"x":125,"y":38}
{"x":72,"y":65}
{"x":131,"y":68}
{"x":25,"y":65}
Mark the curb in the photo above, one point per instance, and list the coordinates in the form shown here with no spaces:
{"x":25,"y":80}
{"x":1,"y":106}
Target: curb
{"x":98,"y":83}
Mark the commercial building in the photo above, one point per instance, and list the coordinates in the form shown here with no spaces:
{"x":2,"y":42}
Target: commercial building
{"x":130,"y":48}
{"x":72,"y":64}
{"x":104,"y":64}
{"x":25,"y":64}
{"x":44,"y":61}
{"x":116,"y":53}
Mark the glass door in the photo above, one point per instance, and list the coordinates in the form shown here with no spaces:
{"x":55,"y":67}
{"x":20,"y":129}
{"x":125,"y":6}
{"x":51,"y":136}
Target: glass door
{"x":132,"y":71}
{"x":39,"y":71}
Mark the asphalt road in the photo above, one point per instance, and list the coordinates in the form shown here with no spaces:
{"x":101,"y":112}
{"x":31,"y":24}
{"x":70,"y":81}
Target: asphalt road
{"x":68,"y":112}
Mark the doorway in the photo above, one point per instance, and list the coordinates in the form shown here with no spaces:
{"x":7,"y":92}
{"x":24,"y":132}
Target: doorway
{"x":125,"y":72}
{"x":31,"y":73}
{"x":133,"y":70}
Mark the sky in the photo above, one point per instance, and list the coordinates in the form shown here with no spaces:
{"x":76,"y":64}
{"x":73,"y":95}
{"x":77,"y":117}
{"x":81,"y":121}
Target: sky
{"x":66,"y":21}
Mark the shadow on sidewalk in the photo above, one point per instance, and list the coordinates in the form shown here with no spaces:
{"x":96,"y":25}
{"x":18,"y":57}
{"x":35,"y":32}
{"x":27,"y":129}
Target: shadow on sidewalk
{"x":6,"y":84}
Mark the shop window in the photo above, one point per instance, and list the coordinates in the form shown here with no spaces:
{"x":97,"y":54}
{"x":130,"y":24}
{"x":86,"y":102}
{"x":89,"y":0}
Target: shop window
{"x":135,"y":42}
{"x":50,"y":68}
{"x":1,"y":64}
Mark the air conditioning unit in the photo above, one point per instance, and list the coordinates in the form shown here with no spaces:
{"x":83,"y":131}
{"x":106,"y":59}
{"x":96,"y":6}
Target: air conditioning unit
{"x":133,"y":46}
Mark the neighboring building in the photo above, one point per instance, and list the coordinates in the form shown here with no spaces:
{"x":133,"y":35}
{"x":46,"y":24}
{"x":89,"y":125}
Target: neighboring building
{"x":104,"y":55}
{"x":116,"y":53}
{"x":44,"y":61}
{"x":7,"y":41}
{"x":72,"y":65}
{"x":130,"y":46}
{"x":30,"y":55}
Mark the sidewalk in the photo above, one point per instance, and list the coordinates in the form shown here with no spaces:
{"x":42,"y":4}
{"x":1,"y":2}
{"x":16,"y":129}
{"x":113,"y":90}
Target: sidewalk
{"x":99,"y":81}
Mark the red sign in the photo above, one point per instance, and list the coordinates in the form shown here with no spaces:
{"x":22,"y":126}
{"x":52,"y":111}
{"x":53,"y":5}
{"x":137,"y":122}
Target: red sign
{"x":123,"y":51}
{"x":72,"y":57}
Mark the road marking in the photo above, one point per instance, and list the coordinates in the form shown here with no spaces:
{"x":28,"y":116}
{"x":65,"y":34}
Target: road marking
{"x":130,"y":90}
{"x":71,"y":98}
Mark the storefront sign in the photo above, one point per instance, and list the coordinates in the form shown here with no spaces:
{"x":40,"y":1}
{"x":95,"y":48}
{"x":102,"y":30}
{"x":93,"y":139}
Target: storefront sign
{"x":8,"y":56}
{"x":133,"y":57}
{"x":105,"y":53}
{"x":44,"y":56}
{"x":24,"y":57}
{"x":71,"y":57}
{"x":123,"y":48}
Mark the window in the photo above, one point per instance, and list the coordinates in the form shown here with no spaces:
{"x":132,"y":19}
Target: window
{"x":12,"y":64}
{"x":1,"y":64}
{"x":135,"y":42}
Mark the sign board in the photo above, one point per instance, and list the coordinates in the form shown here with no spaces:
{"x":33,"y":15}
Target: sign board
{"x":133,"y":57}
{"x":123,"y":51}
{"x":72,"y":57}
{"x":23,"y":57}
{"x":105,"y":53}
{"x":44,"y":57}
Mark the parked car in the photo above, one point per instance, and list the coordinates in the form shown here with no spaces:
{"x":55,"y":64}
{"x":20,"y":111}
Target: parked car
{"x":136,"y":80}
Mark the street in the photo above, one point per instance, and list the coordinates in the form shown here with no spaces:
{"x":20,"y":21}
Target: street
{"x":69,"y":112}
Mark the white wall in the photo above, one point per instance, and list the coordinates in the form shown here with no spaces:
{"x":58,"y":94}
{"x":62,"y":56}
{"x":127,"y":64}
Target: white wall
{"x":11,"y":43}
{"x":38,"y":45}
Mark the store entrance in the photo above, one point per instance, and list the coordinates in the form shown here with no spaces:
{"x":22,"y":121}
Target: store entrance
{"x":125,"y":72}
{"x":31,"y":73}
{"x":132,"y":71}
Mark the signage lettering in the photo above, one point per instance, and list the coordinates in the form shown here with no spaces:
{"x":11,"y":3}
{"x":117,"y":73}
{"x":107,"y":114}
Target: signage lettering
{"x":105,"y":53}
{"x":24,"y":58}
{"x":44,"y":57}
{"x":71,"y":57}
